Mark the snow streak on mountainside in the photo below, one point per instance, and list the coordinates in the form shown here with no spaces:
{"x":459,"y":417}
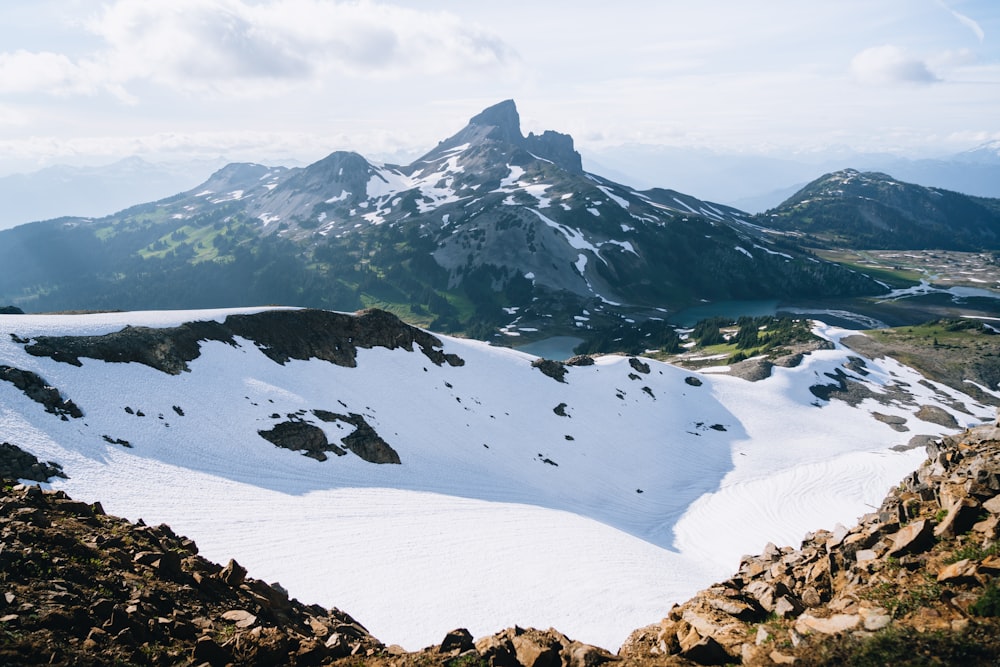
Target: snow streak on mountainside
{"x":587,"y":498}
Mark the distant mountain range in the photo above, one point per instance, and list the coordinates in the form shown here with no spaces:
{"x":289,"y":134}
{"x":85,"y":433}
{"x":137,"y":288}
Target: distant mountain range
{"x":94,"y":191}
{"x":756,"y":183}
{"x":489,"y":229}
{"x":873,"y":210}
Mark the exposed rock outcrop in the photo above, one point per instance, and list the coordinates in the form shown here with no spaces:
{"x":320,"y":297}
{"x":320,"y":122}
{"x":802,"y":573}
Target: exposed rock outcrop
{"x":364,"y":441}
{"x":15,"y":463}
{"x":38,"y":390}
{"x":299,"y":436}
{"x":282,"y":335}
{"x":554,"y":369}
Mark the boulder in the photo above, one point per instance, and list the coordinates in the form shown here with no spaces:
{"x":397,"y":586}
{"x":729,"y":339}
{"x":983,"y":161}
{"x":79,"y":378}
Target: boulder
{"x":912,"y":538}
{"x":457,"y":640}
{"x":807,"y":623}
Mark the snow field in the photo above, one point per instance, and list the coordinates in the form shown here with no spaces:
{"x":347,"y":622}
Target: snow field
{"x":644,"y":505}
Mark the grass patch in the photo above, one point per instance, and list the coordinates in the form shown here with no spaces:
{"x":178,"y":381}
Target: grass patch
{"x":972,"y":552}
{"x":905,"y":647}
{"x":988,"y":604}
{"x":879,"y":269}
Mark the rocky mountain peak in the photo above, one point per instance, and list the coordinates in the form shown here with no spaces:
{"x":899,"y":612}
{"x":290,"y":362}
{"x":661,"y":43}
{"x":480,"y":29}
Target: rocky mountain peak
{"x":503,"y":117}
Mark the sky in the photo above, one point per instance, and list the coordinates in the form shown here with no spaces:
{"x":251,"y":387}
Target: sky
{"x":286,"y":81}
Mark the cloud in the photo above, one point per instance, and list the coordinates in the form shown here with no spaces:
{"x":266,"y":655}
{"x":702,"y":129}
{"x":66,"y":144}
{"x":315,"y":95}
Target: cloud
{"x":969,"y":23}
{"x":881,"y":65}
{"x":23,"y":72}
{"x":240,"y":47}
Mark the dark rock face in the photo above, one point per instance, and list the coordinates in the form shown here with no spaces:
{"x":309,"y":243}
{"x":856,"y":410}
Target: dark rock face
{"x":168,"y":350}
{"x":556,"y":147}
{"x":11,"y":310}
{"x":38,"y":390}
{"x":936,"y":415}
{"x":554,"y":369}
{"x":549,"y":145}
{"x":15,"y":463}
{"x":280,"y":334}
{"x":364,"y":442}
{"x":301,"y":437}
{"x":505,"y":120}
{"x":639,"y":366}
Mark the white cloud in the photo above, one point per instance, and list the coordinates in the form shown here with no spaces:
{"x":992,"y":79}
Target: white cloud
{"x":887,"y":64}
{"x":239,"y":47}
{"x":968,"y":22}
{"x":23,"y":71}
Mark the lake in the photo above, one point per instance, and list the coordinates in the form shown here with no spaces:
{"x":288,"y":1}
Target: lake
{"x":555,"y":347}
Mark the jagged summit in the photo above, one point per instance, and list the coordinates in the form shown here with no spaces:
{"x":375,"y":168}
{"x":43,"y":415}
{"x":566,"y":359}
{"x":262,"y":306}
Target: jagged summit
{"x":504,"y":120}
{"x":500,"y":125}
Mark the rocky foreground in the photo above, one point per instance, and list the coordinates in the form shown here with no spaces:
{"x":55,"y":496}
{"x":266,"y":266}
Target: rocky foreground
{"x":915,"y":582}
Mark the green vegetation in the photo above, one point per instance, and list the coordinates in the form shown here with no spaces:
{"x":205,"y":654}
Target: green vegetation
{"x":905,"y":647}
{"x":730,"y":340}
{"x":973,"y":552}
{"x":864,"y":262}
{"x":899,"y":601}
{"x":988,"y":604}
{"x":961,"y":353}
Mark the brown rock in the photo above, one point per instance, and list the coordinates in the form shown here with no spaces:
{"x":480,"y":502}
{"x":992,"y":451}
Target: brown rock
{"x":990,"y":565}
{"x":233,"y":573}
{"x":498,"y":651}
{"x":241,"y":617}
{"x":207,"y":650}
{"x":960,"y":518}
{"x":735,"y":608}
{"x":535,"y":648}
{"x":457,"y":640}
{"x":807,"y":624}
{"x":912,"y":538}
{"x":578,"y":654}
{"x":992,"y":505}
{"x":961,"y":571}
{"x":703,"y":650}
{"x":787,"y":606}
{"x":781,"y":659}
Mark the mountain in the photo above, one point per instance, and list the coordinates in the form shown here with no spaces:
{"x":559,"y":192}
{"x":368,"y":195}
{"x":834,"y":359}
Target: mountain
{"x":983,"y":154}
{"x":426,"y":483}
{"x":872,"y":210}
{"x":488,"y":230}
{"x":756,"y":183}
{"x":93,"y":191}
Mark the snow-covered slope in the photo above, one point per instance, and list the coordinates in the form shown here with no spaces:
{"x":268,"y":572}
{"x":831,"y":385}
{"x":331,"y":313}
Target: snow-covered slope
{"x":588,"y":504}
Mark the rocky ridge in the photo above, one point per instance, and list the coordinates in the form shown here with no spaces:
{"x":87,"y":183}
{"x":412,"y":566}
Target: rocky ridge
{"x":282,"y":335}
{"x":914,"y":582}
